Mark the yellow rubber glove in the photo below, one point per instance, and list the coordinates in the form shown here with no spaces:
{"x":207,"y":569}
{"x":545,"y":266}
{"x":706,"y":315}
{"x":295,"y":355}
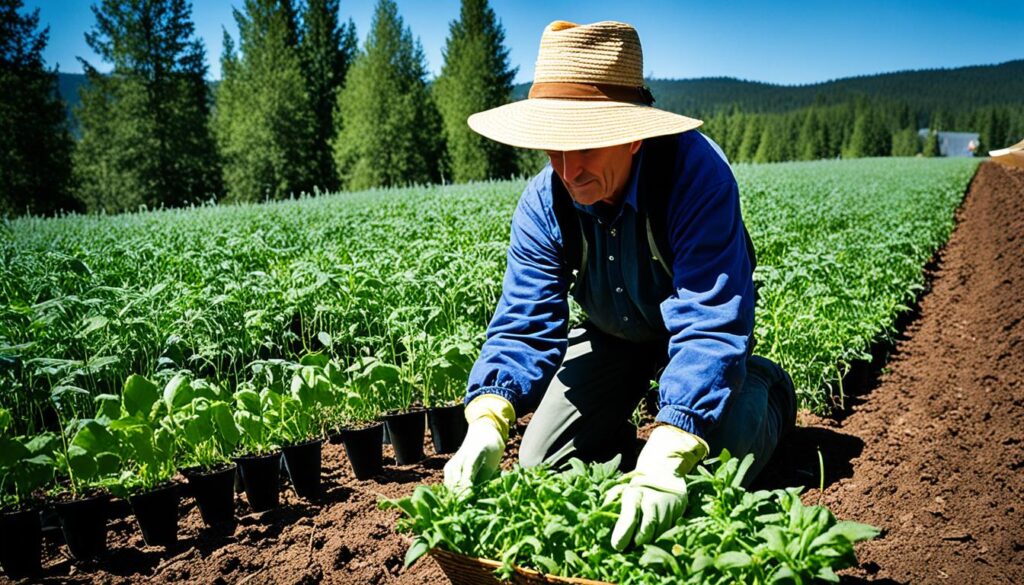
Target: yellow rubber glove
{"x":479,"y":456}
{"x":655,"y":497}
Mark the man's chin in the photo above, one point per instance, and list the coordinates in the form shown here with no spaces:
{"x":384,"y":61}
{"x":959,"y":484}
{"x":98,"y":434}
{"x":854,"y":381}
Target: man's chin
{"x":585,"y":198}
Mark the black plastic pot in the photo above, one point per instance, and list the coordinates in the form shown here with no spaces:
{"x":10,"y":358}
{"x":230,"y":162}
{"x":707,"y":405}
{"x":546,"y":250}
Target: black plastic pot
{"x":303,"y":462}
{"x":84,"y":524}
{"x":365,"y":449}
{"x":406,"y":430}
{"x":21,"y":541}
{"x":261,"y":476}
{"x":157,"y":513}
{"x":214,"y":492}
{"x":447,"y":427}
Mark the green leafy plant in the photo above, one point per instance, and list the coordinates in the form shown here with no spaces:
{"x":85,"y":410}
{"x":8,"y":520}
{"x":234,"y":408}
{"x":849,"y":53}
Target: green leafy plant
{"x":254,"y":414}
{"x":26,"y":464}
{"x":203,"y":421}
{"x":143,"y":432}
{"x":445,"y":374}
{"x":378,"y":386}
{"x":560,"y":524}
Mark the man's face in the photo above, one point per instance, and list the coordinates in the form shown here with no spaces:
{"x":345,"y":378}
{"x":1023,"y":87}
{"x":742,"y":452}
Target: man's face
{"x":595,"y":174}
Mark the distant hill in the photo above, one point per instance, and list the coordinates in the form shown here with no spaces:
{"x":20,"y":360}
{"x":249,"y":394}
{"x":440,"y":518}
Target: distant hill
{"x":953,"y":90}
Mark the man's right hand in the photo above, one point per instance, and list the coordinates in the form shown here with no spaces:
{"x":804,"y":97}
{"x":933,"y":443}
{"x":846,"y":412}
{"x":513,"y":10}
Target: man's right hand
{"x":479,"y":457}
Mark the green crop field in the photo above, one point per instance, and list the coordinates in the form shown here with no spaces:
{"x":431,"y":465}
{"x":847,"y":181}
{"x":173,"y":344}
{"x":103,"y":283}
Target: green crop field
{"x":138,"y":346}
{"x":408,"y":275}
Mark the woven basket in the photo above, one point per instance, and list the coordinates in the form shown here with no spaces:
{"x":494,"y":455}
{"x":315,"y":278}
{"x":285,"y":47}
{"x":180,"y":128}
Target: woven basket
{"x":463,"y":570}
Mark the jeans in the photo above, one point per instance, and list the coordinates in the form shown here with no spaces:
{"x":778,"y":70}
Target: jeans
{"x":586,"y":412}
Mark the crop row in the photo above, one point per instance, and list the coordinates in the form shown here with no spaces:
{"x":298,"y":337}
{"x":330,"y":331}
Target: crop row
{"x":404,"y":275}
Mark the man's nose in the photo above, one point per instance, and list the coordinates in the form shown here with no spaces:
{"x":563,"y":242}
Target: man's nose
{"x":572,"y":160}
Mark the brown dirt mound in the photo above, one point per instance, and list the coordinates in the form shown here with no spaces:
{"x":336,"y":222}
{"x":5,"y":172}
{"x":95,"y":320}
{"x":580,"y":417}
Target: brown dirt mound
{"x":932,"y":454}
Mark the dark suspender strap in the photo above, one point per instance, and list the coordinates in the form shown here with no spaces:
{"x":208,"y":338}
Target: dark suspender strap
{"x":574,"y":244}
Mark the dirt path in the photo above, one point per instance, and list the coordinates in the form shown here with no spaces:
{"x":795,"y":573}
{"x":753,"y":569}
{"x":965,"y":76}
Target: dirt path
{"x":933,"y":453}
{"x":930,"y":450}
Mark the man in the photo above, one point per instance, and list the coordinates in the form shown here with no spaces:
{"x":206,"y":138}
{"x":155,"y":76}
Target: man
{"x":638,"y":218}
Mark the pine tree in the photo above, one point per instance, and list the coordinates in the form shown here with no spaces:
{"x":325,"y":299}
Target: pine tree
{"x":264,"y":121}
{"x":751,"y":138}
{"x":476,"y":76}
{"x":870,"y":137}
{"x":775,"y":142}
{"x":35,"y":147}
{"x":931,"y":144}
{"x":327,"y":50}
{"x":145,"y":134}
{"x":390,"y":131}
{"x":906,"y":143}
{"x":812,"y":144}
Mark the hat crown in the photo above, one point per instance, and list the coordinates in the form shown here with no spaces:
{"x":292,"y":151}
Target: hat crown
{"x":605,"y":52}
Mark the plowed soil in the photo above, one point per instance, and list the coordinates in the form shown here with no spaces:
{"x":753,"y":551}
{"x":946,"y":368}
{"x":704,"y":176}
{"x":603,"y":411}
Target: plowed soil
{"x":927,"y":447}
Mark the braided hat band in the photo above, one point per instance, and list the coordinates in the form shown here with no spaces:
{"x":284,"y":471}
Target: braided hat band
{"x":588,"y":92}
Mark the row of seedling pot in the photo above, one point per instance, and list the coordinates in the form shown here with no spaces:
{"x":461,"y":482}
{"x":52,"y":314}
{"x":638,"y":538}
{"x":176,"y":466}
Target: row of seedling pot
{"x":136,"y":443}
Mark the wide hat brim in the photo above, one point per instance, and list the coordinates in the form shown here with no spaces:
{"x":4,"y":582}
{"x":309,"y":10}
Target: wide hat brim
{"x":564,"y":124}
{"x":1011,"y":155}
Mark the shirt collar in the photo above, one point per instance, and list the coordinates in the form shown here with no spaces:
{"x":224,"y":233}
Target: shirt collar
{"x":612,"y":214}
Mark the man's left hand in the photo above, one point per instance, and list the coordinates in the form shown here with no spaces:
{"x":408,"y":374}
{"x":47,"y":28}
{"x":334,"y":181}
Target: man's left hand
{"x":655,"y":497}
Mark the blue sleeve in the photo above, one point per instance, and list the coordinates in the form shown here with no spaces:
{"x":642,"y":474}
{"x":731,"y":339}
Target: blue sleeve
{"x":710,"y":318}
{"x":527,"y":338}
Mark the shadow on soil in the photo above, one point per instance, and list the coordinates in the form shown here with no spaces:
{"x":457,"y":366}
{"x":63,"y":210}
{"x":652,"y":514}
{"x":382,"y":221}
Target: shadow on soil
{"x":796,"y":462}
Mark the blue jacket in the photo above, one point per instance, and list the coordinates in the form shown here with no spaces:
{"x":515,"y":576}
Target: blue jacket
{"x":704,"y":310}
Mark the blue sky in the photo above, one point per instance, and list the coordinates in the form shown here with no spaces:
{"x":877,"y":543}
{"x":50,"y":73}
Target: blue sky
{"x":778,"y":42}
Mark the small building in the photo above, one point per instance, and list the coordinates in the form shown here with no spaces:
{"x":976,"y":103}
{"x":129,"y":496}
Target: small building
{"x":954,"y":143}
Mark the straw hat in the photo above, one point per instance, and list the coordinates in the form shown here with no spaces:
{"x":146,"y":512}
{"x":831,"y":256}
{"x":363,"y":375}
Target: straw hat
{"x":588,"y":92}
{"x":1011,"y":155}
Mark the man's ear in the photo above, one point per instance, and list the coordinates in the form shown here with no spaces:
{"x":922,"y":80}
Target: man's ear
{"x":634,"y":147}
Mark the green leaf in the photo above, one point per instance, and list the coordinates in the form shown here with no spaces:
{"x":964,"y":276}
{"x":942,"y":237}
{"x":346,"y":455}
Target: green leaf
{"x":785,"y":575}
{"x":108,"y":406}
{"x":197,"y":429}
{"x":94,"y":323}
{"x":733,"y":560}
{"x":318,"y":360}
{"x":139,"y":395}
{"x":774,"y":539}
{"x":163,"y":444}
{"x":249,"y":401}
{"x":419,"y":548}
{"x":655,"y":556}
{"x":43,"y":444}
{"x":127,"y":423}
{"x":5,"y":420}
{"x":324,"y":338}
{"x":854,"y":531}
{"x":546,"y":564}
{"x":78,"y":267}
{"x":177,"y":393}
{"x":81,"y":463}
{"x":140,"y":439}
{"x":107,"y":463}
{"x":12,"y":451}
{"x":827,"y":574}
{"x":94,"y":438}
{"x":224,"y":420}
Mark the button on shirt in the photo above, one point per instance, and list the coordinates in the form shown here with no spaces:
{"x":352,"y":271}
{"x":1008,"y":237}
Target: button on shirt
{"x":704,"y":311}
